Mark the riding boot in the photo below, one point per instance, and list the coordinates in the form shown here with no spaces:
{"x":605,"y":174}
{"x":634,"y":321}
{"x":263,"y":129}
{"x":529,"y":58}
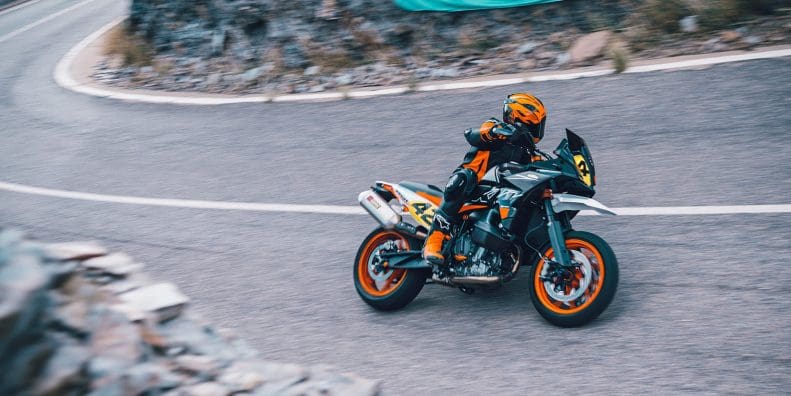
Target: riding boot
{"x":439,"y":233}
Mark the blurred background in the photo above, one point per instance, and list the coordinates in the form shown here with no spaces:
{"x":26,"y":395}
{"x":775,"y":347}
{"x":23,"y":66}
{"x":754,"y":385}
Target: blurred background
{"x":262,"y":301}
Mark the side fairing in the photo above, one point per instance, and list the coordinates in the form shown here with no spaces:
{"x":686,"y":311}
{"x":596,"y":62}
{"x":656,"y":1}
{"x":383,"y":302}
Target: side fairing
{"x":526,"y":181}
{"x":421,"y":209}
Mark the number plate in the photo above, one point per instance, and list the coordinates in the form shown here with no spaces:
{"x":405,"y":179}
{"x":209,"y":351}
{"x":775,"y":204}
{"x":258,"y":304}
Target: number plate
{"x":423,"y":212}
{"x":583,"y":169}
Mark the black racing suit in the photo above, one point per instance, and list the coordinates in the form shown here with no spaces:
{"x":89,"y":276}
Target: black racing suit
{"x":489,"y":149}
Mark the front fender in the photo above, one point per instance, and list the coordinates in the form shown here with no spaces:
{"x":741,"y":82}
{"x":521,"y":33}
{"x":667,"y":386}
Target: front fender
{"x":564,"y":202}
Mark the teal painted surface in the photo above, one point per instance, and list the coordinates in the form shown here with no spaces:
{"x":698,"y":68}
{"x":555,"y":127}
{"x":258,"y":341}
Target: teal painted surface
{"x":464,"y":5}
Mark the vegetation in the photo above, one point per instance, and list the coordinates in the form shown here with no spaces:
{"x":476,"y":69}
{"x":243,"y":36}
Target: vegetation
{"x":133,"y":50}
{"x":620,"y":59}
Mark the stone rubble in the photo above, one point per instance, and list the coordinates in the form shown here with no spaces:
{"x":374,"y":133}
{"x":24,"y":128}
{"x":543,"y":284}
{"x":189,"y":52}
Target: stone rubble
{"x":276,"y":46}
{"x":72,"y":323}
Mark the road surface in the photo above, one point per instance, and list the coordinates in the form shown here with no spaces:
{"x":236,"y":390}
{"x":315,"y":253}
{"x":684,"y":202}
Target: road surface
{"x":702,"y":305}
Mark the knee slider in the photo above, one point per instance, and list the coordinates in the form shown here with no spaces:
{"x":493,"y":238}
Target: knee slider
{"x":462,"y":181}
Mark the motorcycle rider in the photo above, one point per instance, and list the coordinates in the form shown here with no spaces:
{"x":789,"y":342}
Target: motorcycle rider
{"x":494,"y":143}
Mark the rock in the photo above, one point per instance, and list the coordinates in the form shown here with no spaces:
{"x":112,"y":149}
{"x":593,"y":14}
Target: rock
{"x":317,"y":88}
{"x":74,"y":317}
{"x":131,"y":312}
{"x":323,"y":381}
{"x":713,"y":44}
{"x":116,"y":343}
{"x":730,"y":36}
{"x":241,"y":378}
{"x":527,"y":64}
{"x":118,"y":264}
{"x":328,"y":10}
{"x":213,"y":79}
{"x":74,"y":250}
{"x":77,"y":338}
{"x":197,"y":364}
{"x":312,"y":70}
{"x":163,"y":299}
{"x":218,"y":42}
{"x":19,"y":369}
{"x":205,"y":389}
{"x":279,"y":377}
{"x":65,"y":371}
{"x":557,"y":37}
{"x":688,"y":24}
{"x":122,"y":286}
{"x":445,"y":72}
{"x":543,"y":55}
{"x":752,"y":40}
{"x":149,"y":378}
{"x":344,"y":79}
{"x":562,"y":58}
{"x":252,"y":74}
{"x":589,"y":46}
{"x":293,"y":56}
{"x":23,"y":298}
{"x":527,"y":47}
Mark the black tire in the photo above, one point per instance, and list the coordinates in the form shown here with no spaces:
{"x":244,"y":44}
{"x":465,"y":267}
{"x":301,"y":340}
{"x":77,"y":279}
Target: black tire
{"x":396,"y":296}
{"x":602,"y":294}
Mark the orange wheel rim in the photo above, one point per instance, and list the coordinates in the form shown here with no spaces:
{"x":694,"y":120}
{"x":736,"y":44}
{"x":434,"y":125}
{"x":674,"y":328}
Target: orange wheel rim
{"x":591,"y":292}
{"x":382,"y":283}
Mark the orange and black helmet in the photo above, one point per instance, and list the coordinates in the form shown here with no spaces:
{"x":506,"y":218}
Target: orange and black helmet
{"x":526,"y":113}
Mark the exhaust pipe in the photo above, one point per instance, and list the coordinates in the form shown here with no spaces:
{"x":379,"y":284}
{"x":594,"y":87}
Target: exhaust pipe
{"x":477,"y":280}
{"x":379,"y":209}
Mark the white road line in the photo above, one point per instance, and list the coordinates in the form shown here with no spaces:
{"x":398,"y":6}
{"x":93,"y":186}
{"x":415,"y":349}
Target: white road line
{"x":63,"y":77}
{"x":18,"y":7}
{"x":355,"y":210}
{"x":41,"y":21}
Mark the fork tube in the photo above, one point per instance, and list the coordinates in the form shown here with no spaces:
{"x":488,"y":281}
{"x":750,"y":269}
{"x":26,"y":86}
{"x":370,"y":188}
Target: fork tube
{"x":556,"y":235}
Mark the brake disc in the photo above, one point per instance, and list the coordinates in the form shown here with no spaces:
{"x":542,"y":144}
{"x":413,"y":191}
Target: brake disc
{"x":584,"y":266}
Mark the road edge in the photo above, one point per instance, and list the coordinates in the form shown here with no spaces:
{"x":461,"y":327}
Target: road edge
{"x":84,"y":54}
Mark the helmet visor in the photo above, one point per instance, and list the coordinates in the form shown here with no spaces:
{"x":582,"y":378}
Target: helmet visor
{"x":537,"y":130}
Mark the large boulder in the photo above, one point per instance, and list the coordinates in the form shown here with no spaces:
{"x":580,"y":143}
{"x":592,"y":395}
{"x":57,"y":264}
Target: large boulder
{"x":589,"y":46}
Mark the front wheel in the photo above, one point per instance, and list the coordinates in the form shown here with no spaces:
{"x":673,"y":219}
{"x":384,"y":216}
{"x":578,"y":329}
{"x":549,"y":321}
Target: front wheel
{"x":570,"y":297}
{"x":384,"y":289}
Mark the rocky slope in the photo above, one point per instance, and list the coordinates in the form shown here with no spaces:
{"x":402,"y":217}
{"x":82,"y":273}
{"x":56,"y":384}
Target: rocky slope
{"x":75,"y":319}
{"x":275,"y":46}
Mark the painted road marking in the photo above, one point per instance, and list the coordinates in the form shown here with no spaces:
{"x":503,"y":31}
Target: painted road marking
{"x":63,"y":77}
{"x":43,"y":20}
{"x":19,"y":6}
{"x":356,"y":210}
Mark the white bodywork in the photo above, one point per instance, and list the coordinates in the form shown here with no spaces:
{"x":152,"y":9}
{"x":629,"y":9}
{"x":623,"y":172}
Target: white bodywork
{"x":564,"y":202}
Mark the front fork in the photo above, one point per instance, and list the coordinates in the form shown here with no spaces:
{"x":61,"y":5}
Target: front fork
{"x":555,"y":230}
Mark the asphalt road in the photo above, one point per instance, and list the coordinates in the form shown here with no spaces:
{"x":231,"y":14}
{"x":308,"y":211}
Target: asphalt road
{"x":702,"y":305}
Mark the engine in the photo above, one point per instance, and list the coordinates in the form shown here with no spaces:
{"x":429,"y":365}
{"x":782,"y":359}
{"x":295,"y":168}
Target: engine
{"x":477,"y":260}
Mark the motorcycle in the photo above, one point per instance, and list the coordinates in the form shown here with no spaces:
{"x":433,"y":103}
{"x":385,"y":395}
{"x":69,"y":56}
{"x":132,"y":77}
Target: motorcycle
{"x":519,"y":216}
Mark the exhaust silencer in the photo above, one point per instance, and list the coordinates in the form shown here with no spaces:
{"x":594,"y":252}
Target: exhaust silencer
{"x":377,"y":207}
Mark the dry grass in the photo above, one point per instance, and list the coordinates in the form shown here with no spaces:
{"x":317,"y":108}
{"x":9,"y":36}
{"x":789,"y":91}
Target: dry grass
{"x":716,"y":14}
{"x":620,"y":59}
{"x":132,"y":49}
{"x":663,"y":15}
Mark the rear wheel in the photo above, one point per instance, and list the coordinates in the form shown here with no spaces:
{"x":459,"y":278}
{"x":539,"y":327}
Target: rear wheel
{"x":381,"y":288}
{"x":574,"y":296}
